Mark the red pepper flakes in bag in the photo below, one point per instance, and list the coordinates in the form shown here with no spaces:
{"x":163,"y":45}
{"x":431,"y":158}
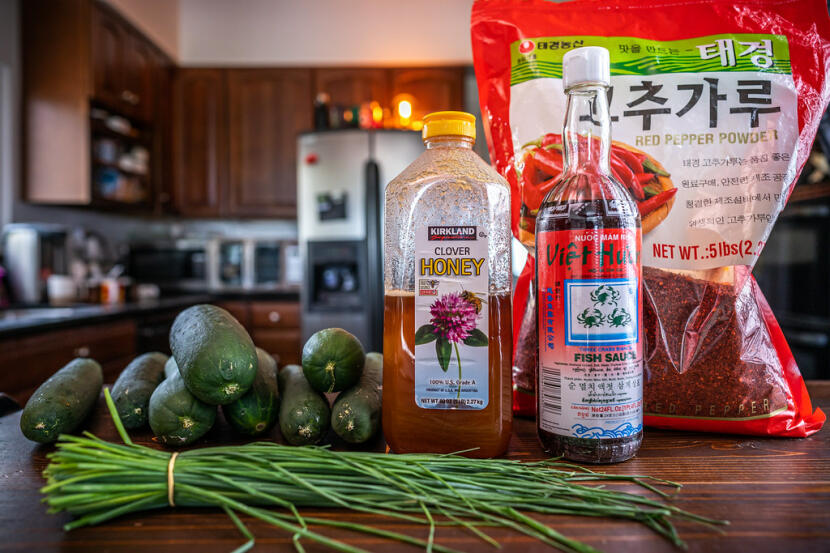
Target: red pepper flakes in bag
{"x":714,"y":107}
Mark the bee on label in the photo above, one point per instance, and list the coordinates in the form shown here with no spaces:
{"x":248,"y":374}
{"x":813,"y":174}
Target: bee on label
{"x":473,"y":298}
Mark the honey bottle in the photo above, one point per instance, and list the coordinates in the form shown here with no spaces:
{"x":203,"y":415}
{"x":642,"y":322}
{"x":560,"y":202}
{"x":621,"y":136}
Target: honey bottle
{"x":589,"y":293}
{"x":447,"y":340}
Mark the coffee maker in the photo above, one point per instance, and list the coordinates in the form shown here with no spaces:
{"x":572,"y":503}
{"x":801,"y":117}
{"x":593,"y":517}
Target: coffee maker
{"x":31,"y":253}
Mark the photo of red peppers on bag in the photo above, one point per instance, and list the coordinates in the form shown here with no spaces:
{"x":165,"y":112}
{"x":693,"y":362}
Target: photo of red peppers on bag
{"x":644,"y":177}
{"x":714,"y":106}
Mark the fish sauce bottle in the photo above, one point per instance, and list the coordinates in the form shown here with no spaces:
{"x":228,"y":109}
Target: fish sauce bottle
{"x":447,"y":333}
{"x":589,"y":293}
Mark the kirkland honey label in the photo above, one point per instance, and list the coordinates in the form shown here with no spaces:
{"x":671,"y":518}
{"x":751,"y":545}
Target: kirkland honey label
{"x":451,"y":322}
{"x":590,"y":326}
{"x":704,"y":130}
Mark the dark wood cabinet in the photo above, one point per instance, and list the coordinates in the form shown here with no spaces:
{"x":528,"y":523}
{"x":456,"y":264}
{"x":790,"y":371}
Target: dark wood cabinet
{"x":222,"y":141}
{"x":123,"y":65}
{"x":235,"y":133}
{"x":236,"y":129}
{"x":199,"y":141}
{"x":77,"y":56}
{"x":353,"y":86}
{"x":108,"y":39}
{"x":140,"y":74}
{"x":266,"y":110}
{"x":273,"y":325}
{"x":28,"y":361}
{"x":162,"y":110}
{"x":432,"y":89}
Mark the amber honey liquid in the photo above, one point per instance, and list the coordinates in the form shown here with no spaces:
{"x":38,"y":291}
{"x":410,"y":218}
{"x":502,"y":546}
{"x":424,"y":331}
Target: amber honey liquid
{"x":410,"y":428}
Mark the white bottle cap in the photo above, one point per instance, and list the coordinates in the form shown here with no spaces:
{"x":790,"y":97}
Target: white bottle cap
{"x":590,"y":64}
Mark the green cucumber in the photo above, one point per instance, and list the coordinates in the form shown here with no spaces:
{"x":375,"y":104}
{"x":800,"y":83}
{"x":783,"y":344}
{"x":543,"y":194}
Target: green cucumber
{"x":256,"y":412}
{"x":61,"y":404}
{"x":215,"y":354}
{"x":333,"y":360}
{"x":170,"y":367}
{"x":131,"y":392}
{"x":304,"y":412}
{"x":177,"y":417}
{"x":355,"y":415}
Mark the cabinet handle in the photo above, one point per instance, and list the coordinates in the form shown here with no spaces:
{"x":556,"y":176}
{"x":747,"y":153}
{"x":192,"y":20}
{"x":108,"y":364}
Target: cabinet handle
{"x":130,"y":97}
{"x":82,"y":351}
{"x":274,"y":316}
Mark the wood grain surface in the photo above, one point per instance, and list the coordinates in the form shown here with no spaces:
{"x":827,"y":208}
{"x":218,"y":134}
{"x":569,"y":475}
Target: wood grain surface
{"x":775,"y":492}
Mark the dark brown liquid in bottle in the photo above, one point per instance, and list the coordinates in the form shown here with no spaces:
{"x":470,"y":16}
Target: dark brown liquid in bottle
{"x":587,"y":198}
{"x":578,"y":206}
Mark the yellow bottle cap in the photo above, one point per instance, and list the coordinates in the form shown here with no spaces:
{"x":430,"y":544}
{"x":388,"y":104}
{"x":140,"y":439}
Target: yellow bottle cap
{"x":449,"y":123}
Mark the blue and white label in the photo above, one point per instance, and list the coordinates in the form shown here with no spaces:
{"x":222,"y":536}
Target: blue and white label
{"x":601,"y":311}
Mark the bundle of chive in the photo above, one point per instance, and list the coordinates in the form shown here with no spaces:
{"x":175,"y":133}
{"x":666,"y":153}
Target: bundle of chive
{"x":96,"y":480}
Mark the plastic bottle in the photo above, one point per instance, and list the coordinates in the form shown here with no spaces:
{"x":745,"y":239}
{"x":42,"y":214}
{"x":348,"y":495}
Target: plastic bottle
{"x":590,"y":381}
{"x":447,"y":328}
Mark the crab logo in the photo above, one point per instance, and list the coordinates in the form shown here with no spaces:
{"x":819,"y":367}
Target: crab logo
{"x":527,"y":46}
{"x":605,"y":295}
{"x":619,"y":317}
{"x":590,"y":318}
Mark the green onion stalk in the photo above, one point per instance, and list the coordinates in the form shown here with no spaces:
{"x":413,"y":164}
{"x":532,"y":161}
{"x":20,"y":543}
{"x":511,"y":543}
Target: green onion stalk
{"x":96,"y":481}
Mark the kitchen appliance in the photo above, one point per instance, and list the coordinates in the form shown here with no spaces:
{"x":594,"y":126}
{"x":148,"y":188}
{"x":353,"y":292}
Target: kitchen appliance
{"x":32,"y":253}
{"x":230,"y":265}
{"x":341,"y":178}
{"x":173,"y":265}
{"x":251,"y":264}
{"x":214,"y":264}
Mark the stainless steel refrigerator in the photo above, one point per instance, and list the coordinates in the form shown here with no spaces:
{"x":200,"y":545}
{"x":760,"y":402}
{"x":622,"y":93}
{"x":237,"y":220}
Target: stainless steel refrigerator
{"x":341,"y":178}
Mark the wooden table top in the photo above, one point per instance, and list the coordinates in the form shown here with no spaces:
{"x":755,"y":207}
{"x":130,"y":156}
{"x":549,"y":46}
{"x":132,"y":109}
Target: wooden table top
{"x":775,"y":492}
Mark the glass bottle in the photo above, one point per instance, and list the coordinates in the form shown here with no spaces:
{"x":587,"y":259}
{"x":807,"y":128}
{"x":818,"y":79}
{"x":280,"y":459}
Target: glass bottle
{"x":588,"y":238}
{"x":447,"y":339}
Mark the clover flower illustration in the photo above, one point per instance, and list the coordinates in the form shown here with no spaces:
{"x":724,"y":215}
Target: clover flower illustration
{"x":453,"y":322}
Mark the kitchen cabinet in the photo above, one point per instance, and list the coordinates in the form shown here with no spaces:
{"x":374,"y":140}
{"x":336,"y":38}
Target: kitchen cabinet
{"x":353,"y":86}
{"x":199,"y":141}
{"x":235,"y":129}
{"x":78,"y":56}
{"x":123,"y":65}
{"x":222,"y":141}
{"x":28,"y":361}
{"x":140,"y":75}
{"x":432,"y":89}
{"x":108,"y":41}
{"x":55,"y":105}
{"x":266,"y":110}
{"x":235,"y":135}
{"x":273,"y":325}
{"x":162,"y":174}
{"x":240,"y":310}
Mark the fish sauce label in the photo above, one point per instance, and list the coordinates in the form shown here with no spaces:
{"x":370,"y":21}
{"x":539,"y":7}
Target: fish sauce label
{"x":590,"y":333}
{"x":451,"y":317}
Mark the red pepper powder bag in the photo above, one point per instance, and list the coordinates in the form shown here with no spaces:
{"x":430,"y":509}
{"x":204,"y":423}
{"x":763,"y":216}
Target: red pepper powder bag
{"x":714,"y":105}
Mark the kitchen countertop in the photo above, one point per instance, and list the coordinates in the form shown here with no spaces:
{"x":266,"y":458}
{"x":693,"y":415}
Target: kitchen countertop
{"x":36,"y":319}
{"x":775,"y":492}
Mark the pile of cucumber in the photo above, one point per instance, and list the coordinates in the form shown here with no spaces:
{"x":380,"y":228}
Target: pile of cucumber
{"x":333,"y":361}
{"x":215,"y":363}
